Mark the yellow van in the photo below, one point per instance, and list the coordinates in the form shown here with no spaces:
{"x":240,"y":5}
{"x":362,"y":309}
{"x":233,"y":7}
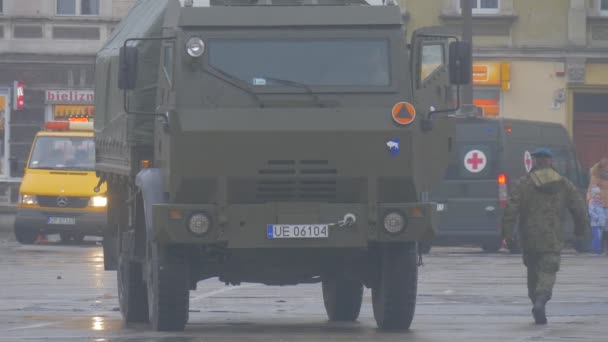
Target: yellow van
{"x":56,"y":195}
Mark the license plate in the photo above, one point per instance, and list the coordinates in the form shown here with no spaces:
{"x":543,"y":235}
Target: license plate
{"x":298,"y":231}
{"x":62,"y":220}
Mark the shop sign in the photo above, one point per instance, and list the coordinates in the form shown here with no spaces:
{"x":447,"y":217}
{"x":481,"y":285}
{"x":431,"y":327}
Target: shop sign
{"x":64,"y":112}
{"x":18,"y":95}
{"x":486,"y":73}
{"x":69,"y":96}
{"x":496,"y":74}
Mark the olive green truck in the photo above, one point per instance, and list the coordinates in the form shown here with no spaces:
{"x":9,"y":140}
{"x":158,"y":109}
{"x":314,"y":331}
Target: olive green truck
{"x":273,"y":142}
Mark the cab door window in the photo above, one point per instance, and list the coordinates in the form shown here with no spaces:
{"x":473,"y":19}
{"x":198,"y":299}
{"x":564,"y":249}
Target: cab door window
{"x":432,"y":60}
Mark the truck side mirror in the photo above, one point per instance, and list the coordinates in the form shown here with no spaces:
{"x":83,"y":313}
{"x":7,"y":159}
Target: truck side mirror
{"x":461,"y":56}
{"x":127,"y":74}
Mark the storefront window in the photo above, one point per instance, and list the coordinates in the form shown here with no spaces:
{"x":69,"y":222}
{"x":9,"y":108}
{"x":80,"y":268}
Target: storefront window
{"x":484,"y":6}
{"x":65,"y":112}
{"x":488,"y":99}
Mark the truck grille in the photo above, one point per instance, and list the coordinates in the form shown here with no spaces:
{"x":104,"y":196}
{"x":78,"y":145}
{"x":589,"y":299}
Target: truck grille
{"x":302,"y":167}
{"x":63,"y":201}
{"x":307,"y":190}
{"x":297,"y":181}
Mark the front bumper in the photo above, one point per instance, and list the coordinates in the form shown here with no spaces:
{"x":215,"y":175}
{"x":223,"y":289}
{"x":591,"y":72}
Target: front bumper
{"x":86,"y":222}
{"x":245,"y":226}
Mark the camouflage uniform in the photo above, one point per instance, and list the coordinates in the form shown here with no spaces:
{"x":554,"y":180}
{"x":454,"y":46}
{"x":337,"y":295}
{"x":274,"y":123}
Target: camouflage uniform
{"x":539,"y":201}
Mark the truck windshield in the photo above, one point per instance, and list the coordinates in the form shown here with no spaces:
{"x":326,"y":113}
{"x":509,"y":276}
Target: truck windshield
{"x":63,"y":153}
{"x":320,"y":62}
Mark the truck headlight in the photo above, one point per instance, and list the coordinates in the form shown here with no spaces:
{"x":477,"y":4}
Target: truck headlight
{"x":98,"y":201}
{"x":195,"y":47}
{"x":394,"y":222}
{"x":199,"y":223}
{"x":28,"y":199}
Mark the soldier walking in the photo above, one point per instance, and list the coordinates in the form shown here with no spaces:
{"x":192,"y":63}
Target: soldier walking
{"x":538,"y":201}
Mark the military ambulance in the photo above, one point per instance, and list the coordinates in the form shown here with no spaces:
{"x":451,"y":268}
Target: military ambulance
{"x":488,"y":156}
{"x":57,"y":193}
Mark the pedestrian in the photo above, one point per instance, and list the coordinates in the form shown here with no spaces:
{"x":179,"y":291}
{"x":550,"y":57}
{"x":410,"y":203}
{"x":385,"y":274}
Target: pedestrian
{"x":597,"y":216}
{"x":538,"y":202}
{"x":599,"y":178}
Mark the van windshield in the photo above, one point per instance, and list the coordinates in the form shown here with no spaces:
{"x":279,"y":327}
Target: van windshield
{"x":63,"y":153}
{"x":311,"y":62}
{"x":473,"y":160}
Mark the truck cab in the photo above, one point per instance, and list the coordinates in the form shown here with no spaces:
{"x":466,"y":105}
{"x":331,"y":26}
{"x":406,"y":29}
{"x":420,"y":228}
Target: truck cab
{"x":57,"y":192}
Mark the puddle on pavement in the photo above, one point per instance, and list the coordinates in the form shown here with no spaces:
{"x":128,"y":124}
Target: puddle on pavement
{"x":89,"y":323}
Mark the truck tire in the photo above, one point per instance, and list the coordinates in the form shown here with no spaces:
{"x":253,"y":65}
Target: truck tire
{"x":132,"y":295}
{"x":394,"y":294}
{"x":342,"y":297}
{"x":26,"y":236}
{"x":168,"y":289}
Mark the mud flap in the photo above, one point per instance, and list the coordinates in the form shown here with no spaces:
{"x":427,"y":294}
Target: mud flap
{"x":150,"y":183}
{"x":110,"y":252}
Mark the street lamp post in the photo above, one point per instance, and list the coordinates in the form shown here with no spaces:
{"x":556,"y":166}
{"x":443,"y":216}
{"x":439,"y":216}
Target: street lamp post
{"x":467,"y":36}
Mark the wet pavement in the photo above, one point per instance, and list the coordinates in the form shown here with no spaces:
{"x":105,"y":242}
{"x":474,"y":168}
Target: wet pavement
{"x":61,"y":293}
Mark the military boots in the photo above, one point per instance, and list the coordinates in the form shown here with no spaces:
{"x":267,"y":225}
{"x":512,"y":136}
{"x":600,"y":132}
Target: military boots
{"x":538,"y":310}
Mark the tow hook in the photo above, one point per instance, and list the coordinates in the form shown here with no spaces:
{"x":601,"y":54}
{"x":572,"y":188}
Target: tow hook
{"x":348,"y":221}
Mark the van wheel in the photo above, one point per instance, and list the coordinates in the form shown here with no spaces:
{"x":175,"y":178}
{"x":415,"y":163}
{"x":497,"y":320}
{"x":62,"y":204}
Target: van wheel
{"x":394,"y":294}
{"x":132,"y":296}
{"x":168,"y":286}
{"x":491,"y":247}
{"x":342,"y":297}
{"x":25,"y":236}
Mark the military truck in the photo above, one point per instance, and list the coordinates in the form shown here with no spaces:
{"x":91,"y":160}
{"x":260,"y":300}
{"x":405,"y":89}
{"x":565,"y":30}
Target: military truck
{"x":281,"y":143}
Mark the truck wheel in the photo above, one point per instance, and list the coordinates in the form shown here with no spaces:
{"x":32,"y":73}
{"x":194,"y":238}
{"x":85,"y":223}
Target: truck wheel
{"x":131,"y":291}
{"x":394,"y":295}
{"x":168,"y":289}
{"x":342,"y":297}
{"x":26,"y":236}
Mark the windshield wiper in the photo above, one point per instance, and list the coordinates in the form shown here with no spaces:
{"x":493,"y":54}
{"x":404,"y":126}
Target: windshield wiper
{"x":237,"y":84}
{"x":295,"y":84}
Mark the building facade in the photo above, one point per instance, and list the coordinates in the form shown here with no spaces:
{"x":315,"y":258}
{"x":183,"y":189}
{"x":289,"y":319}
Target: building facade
{"x":49,"y":46}
{"x":541,"y":60}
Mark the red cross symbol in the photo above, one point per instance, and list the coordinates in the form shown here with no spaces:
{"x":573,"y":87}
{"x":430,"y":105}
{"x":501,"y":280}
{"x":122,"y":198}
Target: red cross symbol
{"x":475,"y":161}
{"x":528,"y":161}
